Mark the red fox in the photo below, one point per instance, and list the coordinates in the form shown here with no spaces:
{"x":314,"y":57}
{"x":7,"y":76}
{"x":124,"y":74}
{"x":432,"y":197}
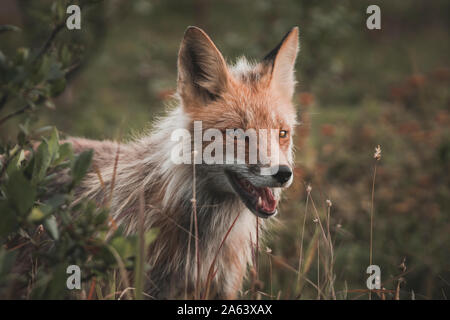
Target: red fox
{"x":230,"y":196}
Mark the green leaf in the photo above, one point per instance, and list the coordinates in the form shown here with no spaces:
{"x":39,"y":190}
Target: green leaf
{"x":56,"y":200}
{"x":49,"y":104}
{"x":65,"y":153}
{"x":21,"y":139}
{"x":65,"y":55}
{"x":20,"y":193}
{"x":53,"y":145}
{"x":42,"y":129}
{"x":55,"y":72}
{"x":14,"y":164}
{"x":57,"y":86}
{"x":35,"y":216}
{"x":7,"y":259}
{"x":3,"y":60}
{"x":52,"y":227}
{"x":8,"y":27}
{"x":8,"y":219}
{"x":42,"y":161}
{"x":44,"y":67}
{"x":81,"y":166}
{"x":125,"y":247}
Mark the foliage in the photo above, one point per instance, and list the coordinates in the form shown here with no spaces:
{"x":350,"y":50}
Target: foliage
{"x":42,"y":230}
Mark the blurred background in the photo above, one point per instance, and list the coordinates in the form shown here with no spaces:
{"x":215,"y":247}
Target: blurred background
{"x":357,"y":88}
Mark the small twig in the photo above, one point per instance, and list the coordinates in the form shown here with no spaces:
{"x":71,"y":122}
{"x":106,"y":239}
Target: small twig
{"x":377,"y":157}
{"x":318,"y":220}
{"x":188,"y":257}
{"x":318,"y":270}
{"x":126,"y":291}
{"x":289,"y":267}
{"x":122,"y":269}
{"x":140,"y":263}
{"x":371,"y":214}
{"x":300,"y":260}
{"x":113,"y":180}
{"x":15,"y":113}
{"x":330,"y":273}
{"x":91,"y":290}
{"x":257,"y":250}
{"x":194,"y":210}
{"x":47,"y":44}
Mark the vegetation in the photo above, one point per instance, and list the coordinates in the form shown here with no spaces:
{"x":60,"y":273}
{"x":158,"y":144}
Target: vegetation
{"x":357,"y":89}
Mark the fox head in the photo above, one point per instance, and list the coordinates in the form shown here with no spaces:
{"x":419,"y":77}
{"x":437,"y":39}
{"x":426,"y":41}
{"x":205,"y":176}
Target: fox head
{"x":236,"y":99}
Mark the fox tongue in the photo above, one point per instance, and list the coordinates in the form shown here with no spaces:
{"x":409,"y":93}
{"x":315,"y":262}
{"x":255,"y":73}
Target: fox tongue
{"x":267,"y":203}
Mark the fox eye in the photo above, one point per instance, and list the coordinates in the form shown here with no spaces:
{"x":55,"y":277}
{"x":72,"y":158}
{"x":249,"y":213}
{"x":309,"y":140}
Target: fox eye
{"x":283,"y":133}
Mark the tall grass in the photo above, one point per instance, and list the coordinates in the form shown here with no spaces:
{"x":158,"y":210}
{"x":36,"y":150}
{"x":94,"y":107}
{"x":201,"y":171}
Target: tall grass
{"x":377,"y":157}
{"x":320,"y":249}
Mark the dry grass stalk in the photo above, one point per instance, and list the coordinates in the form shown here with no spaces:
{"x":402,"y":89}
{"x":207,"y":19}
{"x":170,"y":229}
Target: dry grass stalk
{"x":122,"y":270}
{"x":318,"y":266}
{"x":300,"y":260}
{"x":377,"y":157}
{"x":91,"y":289}
{"x":113,"y":180}
{"x":211,"y":271}
{"x":331,"y":266}
{"x":194,"y":212}
{"x":140,"y":263}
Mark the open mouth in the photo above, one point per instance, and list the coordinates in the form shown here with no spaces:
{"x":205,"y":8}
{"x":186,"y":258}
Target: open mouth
{"x":260,"y":200}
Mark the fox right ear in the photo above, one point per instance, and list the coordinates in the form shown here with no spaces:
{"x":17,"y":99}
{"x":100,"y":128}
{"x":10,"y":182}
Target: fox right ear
{"x":202,"y":71}
{"x":281,"y":61}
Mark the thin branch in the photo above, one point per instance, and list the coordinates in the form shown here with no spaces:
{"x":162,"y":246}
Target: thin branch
{"x":45,"y":47}
{"x":15,"y":113}
{"x":47,"y":44}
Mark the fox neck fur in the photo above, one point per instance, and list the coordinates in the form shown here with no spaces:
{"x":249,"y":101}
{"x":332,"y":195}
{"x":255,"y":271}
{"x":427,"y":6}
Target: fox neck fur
{"x":143,"y":166}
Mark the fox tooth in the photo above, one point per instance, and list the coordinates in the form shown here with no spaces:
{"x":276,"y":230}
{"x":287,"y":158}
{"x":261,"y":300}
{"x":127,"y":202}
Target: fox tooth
{"x":259,"y":201}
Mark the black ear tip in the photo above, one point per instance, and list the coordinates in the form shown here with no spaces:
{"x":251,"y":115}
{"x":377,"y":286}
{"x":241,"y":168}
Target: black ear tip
{"x":270,"y":57}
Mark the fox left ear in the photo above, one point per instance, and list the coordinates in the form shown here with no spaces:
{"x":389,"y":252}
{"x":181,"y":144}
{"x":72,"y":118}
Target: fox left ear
{"x":202,"y":71}
{"x":281,"y":61}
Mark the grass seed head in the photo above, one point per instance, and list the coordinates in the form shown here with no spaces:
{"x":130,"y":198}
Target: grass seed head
{"x":377,"y":154}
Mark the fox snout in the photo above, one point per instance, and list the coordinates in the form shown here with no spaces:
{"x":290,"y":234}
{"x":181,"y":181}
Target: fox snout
{"x":257,"y":190}
{"x":277,"y":176}
{"x":283,"y":175}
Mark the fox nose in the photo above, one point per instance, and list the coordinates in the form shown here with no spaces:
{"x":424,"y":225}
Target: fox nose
{"x":283,"y":175}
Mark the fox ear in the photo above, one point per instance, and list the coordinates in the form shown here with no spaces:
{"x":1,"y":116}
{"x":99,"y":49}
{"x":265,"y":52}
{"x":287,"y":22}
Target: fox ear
{"x":202,"y":71}
{"x":281,"y":62}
